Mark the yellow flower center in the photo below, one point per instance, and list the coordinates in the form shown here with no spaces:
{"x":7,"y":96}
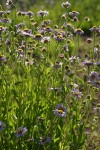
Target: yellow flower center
{"x":61,"y":110}
{"x":38,"y":35}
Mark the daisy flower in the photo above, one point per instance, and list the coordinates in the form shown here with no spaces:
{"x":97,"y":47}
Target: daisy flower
{"x":66,"y":4}
{"x":20,"y":131}
{"x":93,"y":76}
{"x":42,"y":13}
{"x":45,"y":140}
{"x":60,"y":110}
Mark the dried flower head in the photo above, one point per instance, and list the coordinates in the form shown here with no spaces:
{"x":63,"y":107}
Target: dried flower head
{"x":63,"y":16}
{"x":89,"y":41}
{"x":87,"y":19}
{"x":75,"y":19}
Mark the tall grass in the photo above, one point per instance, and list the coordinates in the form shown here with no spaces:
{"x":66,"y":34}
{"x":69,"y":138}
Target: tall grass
{"x":49,"y":82}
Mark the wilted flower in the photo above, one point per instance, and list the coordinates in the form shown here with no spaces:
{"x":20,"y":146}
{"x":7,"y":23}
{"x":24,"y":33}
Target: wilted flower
{"x":60,"y":110}
{"x":42,"y":13}
{"x":45,"y":140}
{"x":76,"y":93}
{"x":79,"y":31}
{"x":93,"y":76}
{"x":20,"y":131}
{"x":73,"y":14}
{"x":66,"y":4}
{"x":2,"y":126}
{"x":45,"y":40}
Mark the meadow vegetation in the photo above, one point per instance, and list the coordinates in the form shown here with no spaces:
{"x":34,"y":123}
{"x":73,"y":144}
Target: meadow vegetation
{"x":49,"y":77}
